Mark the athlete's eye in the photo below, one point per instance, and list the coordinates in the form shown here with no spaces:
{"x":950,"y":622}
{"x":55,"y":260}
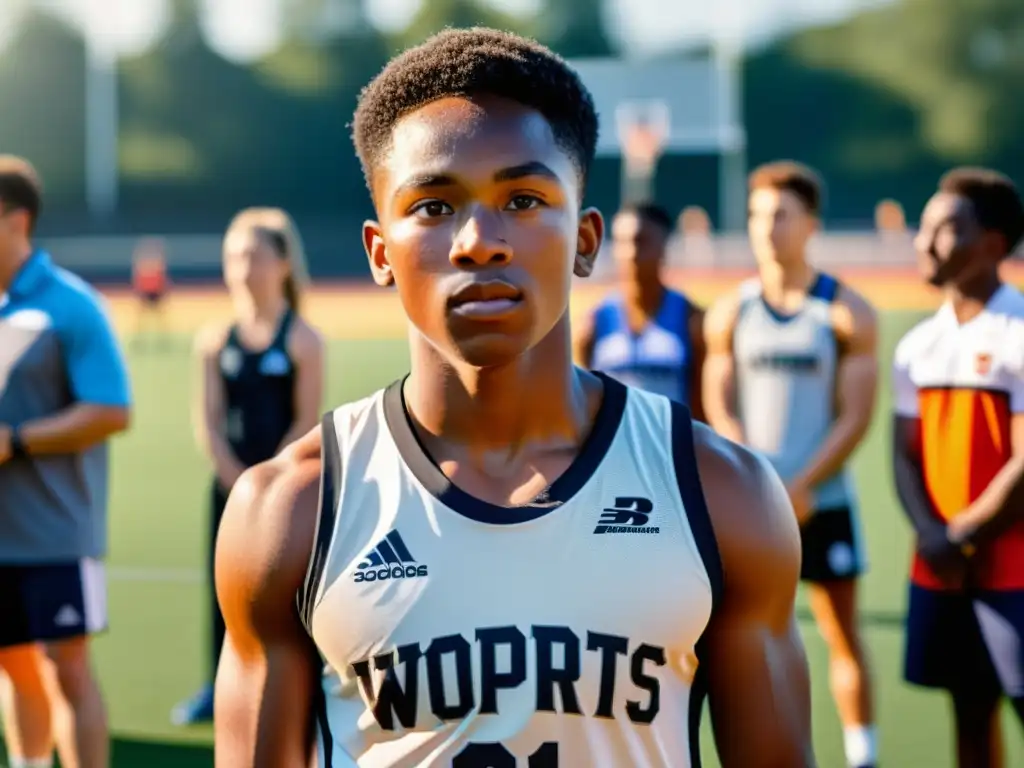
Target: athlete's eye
{"x":431,"y":209}
{"x":524,"y":203}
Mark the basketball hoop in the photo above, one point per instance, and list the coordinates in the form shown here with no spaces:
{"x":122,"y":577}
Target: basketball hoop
{"x":643,"y":129}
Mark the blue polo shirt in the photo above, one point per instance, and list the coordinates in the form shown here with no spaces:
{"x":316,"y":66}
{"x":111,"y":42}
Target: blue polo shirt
{"x":57,"y":348}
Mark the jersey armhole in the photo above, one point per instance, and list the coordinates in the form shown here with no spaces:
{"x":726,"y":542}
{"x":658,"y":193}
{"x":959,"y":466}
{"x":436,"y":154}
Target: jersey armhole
{"x":326,"y":519}
{"x":684,"y":460}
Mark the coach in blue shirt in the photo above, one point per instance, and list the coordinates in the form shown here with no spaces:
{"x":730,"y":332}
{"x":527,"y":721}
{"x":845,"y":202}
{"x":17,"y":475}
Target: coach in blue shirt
{"x":63,"y":391}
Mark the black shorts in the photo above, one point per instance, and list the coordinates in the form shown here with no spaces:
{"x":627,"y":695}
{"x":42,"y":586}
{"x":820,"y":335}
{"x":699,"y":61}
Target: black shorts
{"x":832,"y":546}
{"x":52,"y":602}
{"x":966,"y":642}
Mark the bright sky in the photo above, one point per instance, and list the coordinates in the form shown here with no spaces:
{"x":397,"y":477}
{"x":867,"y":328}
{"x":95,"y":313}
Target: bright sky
{"x":247,"y":29}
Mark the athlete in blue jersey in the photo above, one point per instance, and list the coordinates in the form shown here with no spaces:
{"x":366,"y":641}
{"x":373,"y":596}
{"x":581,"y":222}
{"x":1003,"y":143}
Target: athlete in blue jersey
{"x":645,"y":334}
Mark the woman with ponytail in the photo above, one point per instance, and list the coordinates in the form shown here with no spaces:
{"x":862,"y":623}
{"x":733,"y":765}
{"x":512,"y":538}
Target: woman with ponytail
{"x":261,"y":378}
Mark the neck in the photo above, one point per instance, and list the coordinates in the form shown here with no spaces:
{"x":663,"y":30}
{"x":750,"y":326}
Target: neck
{"x":11,"y":268}
{"x":974,"y":293}
{"x":250,"y":310}
{"x":778,"y":279}
{"x":645,"y":297}
{"x":534,"y":399}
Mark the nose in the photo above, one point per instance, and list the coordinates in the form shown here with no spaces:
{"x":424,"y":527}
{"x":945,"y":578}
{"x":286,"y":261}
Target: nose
{"x":480,"y":242}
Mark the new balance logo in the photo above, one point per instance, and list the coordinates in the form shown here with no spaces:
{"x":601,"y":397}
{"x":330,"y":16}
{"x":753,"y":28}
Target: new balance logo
{"x":67,"y":617}
{"x":629,"y":515}
{"x":390,"y":559}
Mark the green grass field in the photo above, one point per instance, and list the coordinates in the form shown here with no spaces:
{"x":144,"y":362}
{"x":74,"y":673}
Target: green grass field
{"x":154,"y":654}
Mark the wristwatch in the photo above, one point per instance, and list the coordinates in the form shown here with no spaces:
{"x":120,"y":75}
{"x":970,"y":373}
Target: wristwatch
{"x":17,"y":445}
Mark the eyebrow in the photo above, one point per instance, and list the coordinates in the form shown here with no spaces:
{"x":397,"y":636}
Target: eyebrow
{"x":434,"y":180}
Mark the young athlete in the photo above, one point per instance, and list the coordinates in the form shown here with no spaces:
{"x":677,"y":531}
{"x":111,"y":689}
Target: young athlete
{"x":958,"y":461}
{"x":261,"y":378}
{"x":512,"y":561}
{"x":150,"y":284}
{"x":646,"y":334}
{"x":791,"y":372}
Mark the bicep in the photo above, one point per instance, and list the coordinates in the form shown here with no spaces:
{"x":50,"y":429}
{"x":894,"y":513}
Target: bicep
{"x":96,"y":368}
{"x":858,"y":384}
{"x":268,"y":668}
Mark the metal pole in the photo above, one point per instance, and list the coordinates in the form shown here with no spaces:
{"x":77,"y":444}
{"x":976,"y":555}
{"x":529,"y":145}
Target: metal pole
{"x":101,"y":114}
{"x":732,"y":166}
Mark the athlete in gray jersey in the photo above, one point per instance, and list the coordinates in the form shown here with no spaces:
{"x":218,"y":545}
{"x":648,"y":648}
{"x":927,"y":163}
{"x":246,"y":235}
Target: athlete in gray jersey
{"x":791,"y":372}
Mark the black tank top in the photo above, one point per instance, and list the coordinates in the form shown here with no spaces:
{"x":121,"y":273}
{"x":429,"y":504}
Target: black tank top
{"x":260,"y":392}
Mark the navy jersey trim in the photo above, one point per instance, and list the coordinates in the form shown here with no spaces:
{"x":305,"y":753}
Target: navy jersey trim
{"x":825,"y":288}
{"x":583,"y":467}
{"x":684,"y":458}
{"x":330,"y":500}
{"x":324,"y":723}
{"x":698,"y":695}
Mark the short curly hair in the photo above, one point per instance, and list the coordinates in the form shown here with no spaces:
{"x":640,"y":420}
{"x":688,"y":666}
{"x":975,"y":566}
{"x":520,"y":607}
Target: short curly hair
{"x":994,"y":198}
{"x":470,"y":62}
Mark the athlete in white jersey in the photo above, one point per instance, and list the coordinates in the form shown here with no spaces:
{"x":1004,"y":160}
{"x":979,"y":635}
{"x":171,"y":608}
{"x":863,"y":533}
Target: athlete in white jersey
{"x":510,"y":561}
{"x":791,"y":372}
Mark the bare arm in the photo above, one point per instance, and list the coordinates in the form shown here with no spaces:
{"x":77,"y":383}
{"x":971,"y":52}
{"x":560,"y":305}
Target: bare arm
{"x":718,"y":379}
{"x":758,"y":678}
{"x":857,"y":380}
{"x":263,"y":702}
{"x":583,"y":342}
{"x":74,"y":429}
{"x":306,"y":349}
{"x":209,"y":409}
{"x":698,"y":347}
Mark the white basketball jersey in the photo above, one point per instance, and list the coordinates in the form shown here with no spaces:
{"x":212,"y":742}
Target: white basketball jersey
{"x":561,"y":633}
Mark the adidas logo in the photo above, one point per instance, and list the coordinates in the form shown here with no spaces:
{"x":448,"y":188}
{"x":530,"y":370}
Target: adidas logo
{"x":390,"y":559}
{"x":67,"y":617}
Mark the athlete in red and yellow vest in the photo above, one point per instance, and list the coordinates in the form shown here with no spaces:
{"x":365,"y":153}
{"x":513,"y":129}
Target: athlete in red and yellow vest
{"x":958,"y":460}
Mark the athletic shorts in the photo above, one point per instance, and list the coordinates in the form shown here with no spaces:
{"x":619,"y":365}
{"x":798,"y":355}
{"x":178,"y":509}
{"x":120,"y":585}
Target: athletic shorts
{"x":966,"y":641}
{"x":832,"y":546}
{"x":52,"y":602}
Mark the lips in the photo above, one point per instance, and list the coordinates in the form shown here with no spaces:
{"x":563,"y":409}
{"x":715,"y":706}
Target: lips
{"x":491,"y":299}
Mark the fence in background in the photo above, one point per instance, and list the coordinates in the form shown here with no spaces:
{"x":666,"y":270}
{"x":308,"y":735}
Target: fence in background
{"x":196,"y":258}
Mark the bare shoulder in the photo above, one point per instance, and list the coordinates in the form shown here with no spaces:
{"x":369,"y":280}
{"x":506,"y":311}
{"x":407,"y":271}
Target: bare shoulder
{"x":211,"y":338}
{"x":853,"y":316}
{"x":266,"y":535}
{"x":720,"y":317}
{"x":304,"y":337}
{"x":751,"y":515}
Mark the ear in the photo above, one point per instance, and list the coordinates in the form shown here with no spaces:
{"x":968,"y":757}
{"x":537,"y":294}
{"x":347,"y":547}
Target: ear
{"x":377,"y":254}
{"x":589,"y":237}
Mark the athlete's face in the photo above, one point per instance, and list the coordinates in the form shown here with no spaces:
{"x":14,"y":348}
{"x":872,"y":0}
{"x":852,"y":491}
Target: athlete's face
{"x":252,"y":265}
{"x":14,"y":226}
{"x":638,"y":246}
{"x":779,"y":226}
{"x":952,"y":247}
{"x":480,"y":227}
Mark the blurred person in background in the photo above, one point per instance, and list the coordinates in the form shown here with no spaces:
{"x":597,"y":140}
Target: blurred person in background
{"x":150,"y":284}
{"x":958,"y":461}
{"x":63,"y":393}
{"x":791,"y":372}
{"x":261,"y":379}
{"x":645,"y":334}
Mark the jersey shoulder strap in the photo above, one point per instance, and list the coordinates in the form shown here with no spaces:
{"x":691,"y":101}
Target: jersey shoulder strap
{"x":608,"y":317}
{"x":684,"y":460}
{"x":825,"y":288}
{"x":327,"y":514}
{"x":281,"y":337}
